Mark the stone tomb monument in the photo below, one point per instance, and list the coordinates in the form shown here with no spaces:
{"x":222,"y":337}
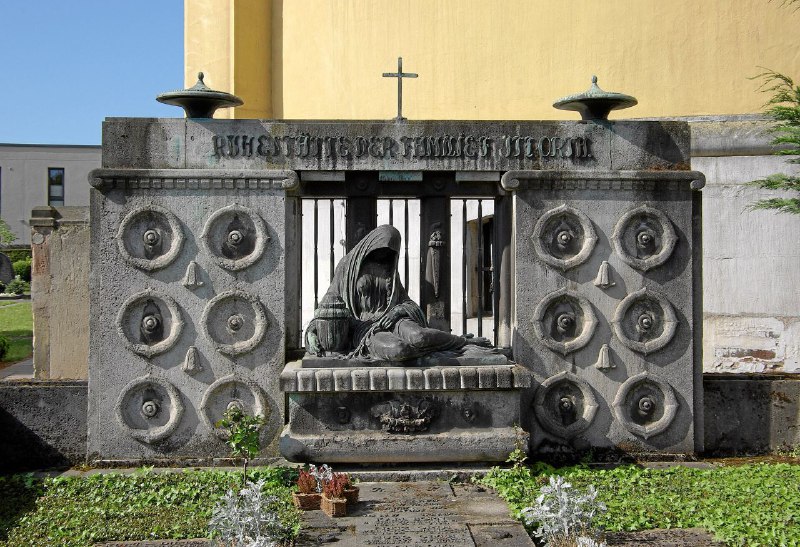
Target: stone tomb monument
{"x":196,"y":234}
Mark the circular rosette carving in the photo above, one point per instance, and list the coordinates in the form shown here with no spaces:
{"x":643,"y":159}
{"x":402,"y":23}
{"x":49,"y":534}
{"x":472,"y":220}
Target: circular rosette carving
{"x":149,"y":237}
{"x":644,"y":238}
{"x":565,"y":404}
{"x":564,"y":321}
{"x":645,"y":321}
{"x":150,"y":323}
{"x":231,"y":392}
{"x":645,"y":405}
{"x":236,"y":236}
{"x":564,"y":237}
{"x":235,"y":321}
{"x":149,"y":408}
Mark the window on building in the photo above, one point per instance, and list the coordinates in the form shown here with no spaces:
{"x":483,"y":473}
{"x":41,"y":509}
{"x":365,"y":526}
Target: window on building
{"x":55,"y":186}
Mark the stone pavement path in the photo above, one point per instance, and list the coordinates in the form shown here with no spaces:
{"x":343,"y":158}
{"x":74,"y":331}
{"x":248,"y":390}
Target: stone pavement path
{"x":393,"y":514}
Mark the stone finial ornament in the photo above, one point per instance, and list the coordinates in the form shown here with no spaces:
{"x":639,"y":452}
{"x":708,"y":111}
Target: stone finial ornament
{"x":595,"y":104}
{"x":199,"y":101}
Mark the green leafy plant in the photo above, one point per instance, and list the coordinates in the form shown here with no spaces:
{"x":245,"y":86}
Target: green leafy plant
{"x":4,"y":344}
{"x":244,"y":433}
{"x":784,"y":108}
{"x":17,"y":286}
{"x":22,"y":268}
{"x":751,"y":505}
{"x":83,"y":511}
{"x":6,"y":235}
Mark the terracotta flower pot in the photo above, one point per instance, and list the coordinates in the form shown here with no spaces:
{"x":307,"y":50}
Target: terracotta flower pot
{"x":351,"y":494}
{"x":306,"y":502}
{"x":334,"y":507}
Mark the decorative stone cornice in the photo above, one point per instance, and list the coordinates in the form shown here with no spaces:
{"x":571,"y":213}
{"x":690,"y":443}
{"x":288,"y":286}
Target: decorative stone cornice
{"x":193,"y":179}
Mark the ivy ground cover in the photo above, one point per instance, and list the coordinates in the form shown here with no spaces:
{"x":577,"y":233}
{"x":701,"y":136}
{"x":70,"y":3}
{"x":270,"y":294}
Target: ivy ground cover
{"x":80,"y":511}
{"x":753,"y":505}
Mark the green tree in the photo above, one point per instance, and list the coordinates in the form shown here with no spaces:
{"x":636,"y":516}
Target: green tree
{"x":784,"y":108}
{"x":6,"y":235}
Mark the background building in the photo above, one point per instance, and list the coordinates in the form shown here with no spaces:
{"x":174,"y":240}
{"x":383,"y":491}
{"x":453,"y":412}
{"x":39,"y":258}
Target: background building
{"x":320,"y":59}
{"x":33,"y":175}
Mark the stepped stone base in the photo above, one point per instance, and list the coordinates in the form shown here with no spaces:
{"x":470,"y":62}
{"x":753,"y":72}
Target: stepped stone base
{"x":402,"y":414}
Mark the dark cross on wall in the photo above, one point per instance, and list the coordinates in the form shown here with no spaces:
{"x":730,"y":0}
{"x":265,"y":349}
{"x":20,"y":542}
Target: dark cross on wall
{"x":399,"y":75}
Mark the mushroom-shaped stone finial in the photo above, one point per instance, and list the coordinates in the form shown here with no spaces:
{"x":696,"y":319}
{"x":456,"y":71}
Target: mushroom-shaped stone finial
{"x":199,"y":101}
{"x":595,"y":104}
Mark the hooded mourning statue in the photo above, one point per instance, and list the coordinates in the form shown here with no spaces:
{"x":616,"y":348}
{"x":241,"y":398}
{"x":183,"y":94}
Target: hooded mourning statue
{"x":385,"y":324}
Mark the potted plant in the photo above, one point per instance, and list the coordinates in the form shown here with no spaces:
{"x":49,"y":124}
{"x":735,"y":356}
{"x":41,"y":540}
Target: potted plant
{"x":350,"y":489}
{"x":334,"y":504}
{"x":307,"y":497}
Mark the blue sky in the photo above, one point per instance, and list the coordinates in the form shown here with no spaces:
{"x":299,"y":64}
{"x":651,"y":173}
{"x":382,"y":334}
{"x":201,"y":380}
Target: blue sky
{"x":67,"y":64}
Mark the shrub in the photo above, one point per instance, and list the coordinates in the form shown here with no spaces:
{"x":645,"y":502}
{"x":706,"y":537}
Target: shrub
{"x":565,"y":515}
{"x":243,"y":435}
{"x":2,"y":287}
{"x":249,"y":518}
{"x":22,"y":268}
{"x":15,"y":255}
{"x":17,"y":286}
{"x":3,"y":347}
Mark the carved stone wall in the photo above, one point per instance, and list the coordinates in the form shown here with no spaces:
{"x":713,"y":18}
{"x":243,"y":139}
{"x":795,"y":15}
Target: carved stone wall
{"x":607,"y":292}
{"x":188,"y":308}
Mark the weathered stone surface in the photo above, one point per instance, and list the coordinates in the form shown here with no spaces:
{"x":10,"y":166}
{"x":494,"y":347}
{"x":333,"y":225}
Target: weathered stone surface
{"x":403,"y":426}
{"x":42,"y":424}
{"x":297,"y":376}
{"x":6,"y":269}
{"x":143,"y":404}
{"x":647,"y":319}
{"x":414,"y":146}
{"x":60,"y":292}
{"x":423,"y":513}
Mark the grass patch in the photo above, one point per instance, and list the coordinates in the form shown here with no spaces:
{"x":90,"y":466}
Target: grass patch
{"x":753,"y":505}
{"x":80,"y":511}
{"x":16,"y":324}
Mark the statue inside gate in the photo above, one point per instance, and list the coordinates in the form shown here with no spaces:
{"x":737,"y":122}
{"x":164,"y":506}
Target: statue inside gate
{"x":367,"y":314}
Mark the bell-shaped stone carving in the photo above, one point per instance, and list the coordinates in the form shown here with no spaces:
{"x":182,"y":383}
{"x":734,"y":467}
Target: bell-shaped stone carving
{"x":603,"y":279}
{"x":191,"y":363}
{"x":604,"y":361}
{"x":151,"y":327}
{"x":191,"y":279}
{"x":332,"y":322}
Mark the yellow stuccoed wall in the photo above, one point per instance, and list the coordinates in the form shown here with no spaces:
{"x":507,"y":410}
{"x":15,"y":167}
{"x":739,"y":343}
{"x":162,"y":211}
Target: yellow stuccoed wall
{"x":487,"y":59}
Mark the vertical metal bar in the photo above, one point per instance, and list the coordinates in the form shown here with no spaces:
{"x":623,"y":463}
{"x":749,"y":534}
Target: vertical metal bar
{"x":333,"y":234}
{"x":463,"y":266}
{"x":391,"y":212}
{"x":479,"y":263}
{"x":316,"y":255}
{"x":405,"y":239}
{"x":496,"y":272}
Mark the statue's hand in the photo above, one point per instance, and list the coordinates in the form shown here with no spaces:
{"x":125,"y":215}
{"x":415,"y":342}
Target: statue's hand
{"x":389,"y":319}
{"x":312,"y":345}
{"x":478,"y":341}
